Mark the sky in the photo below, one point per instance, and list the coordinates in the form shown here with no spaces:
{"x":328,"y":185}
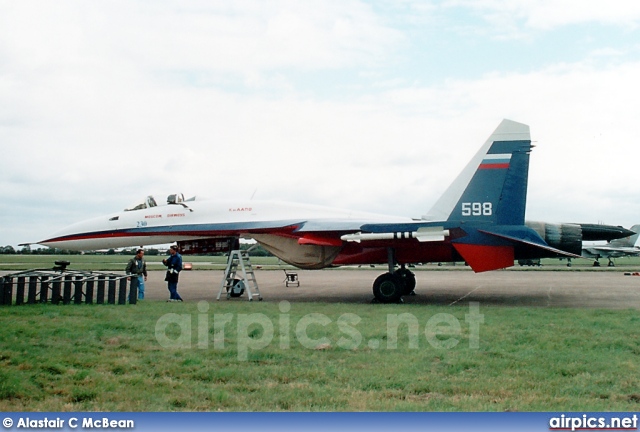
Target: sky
{"x":368,"y":105}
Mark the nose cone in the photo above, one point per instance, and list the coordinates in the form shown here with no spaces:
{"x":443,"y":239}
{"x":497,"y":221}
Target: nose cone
{"x":86,"y":235}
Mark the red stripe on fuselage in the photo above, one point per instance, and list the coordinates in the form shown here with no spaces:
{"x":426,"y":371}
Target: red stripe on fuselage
{"x":176,"y":234}
{"x":92,"y":236}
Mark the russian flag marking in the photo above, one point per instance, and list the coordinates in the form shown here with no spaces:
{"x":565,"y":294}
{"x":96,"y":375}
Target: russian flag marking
{"x":495,"y":161}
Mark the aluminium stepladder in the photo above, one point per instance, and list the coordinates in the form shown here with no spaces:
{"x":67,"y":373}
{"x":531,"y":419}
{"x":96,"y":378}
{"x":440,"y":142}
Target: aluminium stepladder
{"x":239,"y":260}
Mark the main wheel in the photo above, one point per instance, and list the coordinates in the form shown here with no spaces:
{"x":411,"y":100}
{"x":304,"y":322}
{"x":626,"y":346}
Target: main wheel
{"x":409,"y":280}
{"x":388,"y":288}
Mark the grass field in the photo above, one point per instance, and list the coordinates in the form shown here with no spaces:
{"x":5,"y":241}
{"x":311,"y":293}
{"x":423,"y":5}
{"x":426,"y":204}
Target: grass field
{"x":110,"y":358}
{"x":158,"y":356}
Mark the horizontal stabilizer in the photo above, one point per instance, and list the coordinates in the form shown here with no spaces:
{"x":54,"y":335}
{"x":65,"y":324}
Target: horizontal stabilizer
{"x":532,"y":243}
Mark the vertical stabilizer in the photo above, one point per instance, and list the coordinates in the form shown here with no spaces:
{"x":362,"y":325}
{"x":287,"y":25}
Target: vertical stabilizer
{"x":627,"y":241}
{"x":493,"y":186}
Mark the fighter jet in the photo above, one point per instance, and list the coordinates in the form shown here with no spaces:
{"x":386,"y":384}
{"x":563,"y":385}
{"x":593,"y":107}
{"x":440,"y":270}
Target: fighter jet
{"x":614,"y":249}
{"x":479,"y":220}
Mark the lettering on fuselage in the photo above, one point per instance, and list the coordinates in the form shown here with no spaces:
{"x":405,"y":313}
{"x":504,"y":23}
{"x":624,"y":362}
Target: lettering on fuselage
{"x":240,"y":209}
{"x":170,"y":215}
{"x":152,"y":216}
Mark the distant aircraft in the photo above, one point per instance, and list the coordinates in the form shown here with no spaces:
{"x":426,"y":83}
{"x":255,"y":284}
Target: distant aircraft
{"x":479,"y":220}
{"x":614,"y":249}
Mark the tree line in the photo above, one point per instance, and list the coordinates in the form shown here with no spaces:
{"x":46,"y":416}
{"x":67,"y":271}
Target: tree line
{"x":27,"y":250}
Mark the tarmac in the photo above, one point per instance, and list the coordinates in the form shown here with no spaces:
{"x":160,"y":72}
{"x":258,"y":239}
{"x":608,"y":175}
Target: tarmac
{"x":536,"y":288}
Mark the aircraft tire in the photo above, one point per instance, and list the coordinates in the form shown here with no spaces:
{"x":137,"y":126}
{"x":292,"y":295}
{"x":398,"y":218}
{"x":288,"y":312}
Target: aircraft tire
{"x":238,"y":288}
{"x":388,"y":288}
{"x":409,"y":280}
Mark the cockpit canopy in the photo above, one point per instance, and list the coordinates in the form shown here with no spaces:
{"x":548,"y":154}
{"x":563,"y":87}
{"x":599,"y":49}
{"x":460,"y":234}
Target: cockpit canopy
{"x":150,"y":201}
{"x":175,"y":198}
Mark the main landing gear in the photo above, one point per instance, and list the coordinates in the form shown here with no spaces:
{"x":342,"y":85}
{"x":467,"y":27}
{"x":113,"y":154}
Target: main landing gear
{"x":596,"y":263}
{"x":390,"y":287}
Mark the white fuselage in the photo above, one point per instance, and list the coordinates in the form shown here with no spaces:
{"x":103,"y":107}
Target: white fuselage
{"x":193,"y":220}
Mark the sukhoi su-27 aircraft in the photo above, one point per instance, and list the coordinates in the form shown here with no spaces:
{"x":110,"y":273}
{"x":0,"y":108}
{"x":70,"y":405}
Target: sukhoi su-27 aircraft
{"x":479,"y":220}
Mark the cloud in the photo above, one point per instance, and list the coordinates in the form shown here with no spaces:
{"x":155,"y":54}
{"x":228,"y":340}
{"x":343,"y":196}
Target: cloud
{"x":547,"y":14}
{"x":214,"y":37}
{"x":102,"y":104}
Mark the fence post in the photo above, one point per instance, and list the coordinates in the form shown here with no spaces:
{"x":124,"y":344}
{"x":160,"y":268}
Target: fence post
{"x":33,"y":289}
{"x":133,"y":293}
{"x":122,"y":293}
{"x":66,"y":295}
{"x":4,"y":287}
{"x":77,"y":292}
{"x":111,"y":296}
{"x":20,"y":290}
{"x":44,"y":289}
{"x":8,"y":291}
{"x":88,"y":298}
{"x":100,"y":294}
{"x":55,"y":291}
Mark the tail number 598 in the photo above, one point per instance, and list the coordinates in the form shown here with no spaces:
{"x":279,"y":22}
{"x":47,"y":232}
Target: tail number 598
{"x":477,"y":209}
